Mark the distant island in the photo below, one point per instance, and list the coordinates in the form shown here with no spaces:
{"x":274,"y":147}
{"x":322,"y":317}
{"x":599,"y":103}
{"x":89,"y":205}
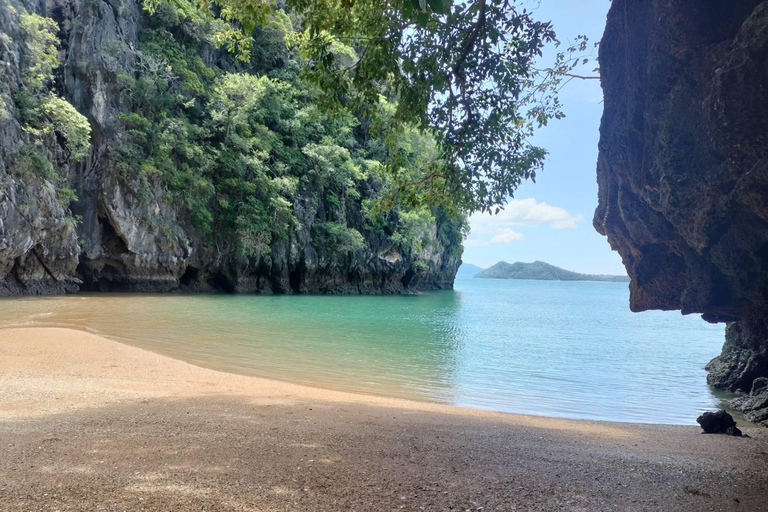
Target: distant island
{"x":468,"y":270}
{"x":543,"y":272}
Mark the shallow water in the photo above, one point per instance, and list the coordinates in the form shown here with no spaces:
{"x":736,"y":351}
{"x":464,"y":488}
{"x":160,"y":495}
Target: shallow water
{"x":566,"y":349}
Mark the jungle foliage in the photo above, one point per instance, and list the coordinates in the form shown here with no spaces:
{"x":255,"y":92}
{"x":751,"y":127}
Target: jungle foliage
{"x":239,"y":141}
{"x":46,"y":118}
{"x":463,"y":72}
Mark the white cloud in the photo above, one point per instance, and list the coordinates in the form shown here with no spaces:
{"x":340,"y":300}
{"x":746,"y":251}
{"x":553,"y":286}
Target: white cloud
{"x":506,"y":236}
{"x":525,"y":212}
{"x":475,"y":242}
{"x":497,"y":229}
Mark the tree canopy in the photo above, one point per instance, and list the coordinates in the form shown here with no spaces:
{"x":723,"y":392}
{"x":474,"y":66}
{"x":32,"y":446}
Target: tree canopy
{"x":465,"y":72}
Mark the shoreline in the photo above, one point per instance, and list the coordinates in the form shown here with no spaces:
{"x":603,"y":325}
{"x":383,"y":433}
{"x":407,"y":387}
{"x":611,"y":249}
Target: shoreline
{"x":372,"y":397}
{"x":329,"y":393}
{"x":95,"y":421}
{"x":330,"y":386}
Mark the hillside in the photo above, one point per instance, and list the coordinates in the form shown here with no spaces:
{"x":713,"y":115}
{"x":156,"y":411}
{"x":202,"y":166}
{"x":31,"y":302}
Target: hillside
{"x":541,"y":271}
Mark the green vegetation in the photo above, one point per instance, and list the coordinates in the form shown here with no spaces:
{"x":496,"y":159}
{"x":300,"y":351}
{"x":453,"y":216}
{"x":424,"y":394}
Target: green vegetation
{"x":541,"y":271}
{"x":462,"y":72}
{"x":62,"y":117}
{"x":225,"y":127}
{"x":358,"y":120}
{"x":235,"y":144}
{"x":45,"y":117}
{"x":339,"y":237}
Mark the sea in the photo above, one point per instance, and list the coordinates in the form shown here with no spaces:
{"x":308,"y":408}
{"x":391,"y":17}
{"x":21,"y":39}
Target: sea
{"x":550,"y":348}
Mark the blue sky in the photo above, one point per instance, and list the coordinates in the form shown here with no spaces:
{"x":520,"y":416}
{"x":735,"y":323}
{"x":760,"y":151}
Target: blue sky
{"x":551,"y":220}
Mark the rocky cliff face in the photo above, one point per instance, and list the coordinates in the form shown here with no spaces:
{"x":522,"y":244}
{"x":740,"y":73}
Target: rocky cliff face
{"x":683,"y":165}
{"x":38,"y":247}
{"x":125,"y":235}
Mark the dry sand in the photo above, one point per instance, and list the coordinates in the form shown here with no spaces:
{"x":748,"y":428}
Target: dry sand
{"x":89,"y":424}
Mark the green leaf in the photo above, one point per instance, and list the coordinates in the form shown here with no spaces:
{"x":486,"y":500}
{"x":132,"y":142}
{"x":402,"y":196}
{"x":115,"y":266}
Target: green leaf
{"x":438,"y":6}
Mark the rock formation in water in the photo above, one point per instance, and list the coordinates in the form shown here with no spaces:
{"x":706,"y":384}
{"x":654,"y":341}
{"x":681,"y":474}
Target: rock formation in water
{"x":683,"y":166}
{"x":139,"y":214}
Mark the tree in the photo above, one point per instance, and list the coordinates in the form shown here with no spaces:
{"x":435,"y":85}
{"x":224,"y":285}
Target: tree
{"x":460,"y":71}
{"x":40,"y":111}
{"x":464,"y":72}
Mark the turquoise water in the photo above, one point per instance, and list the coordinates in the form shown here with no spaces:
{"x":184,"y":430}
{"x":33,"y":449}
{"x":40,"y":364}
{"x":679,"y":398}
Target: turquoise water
{"x":566,"y":349}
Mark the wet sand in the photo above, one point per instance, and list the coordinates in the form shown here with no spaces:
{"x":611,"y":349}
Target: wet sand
{"x":89,"y":424}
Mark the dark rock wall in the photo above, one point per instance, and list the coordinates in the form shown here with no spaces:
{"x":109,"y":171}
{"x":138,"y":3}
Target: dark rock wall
{"x":744,"y":357}
{"x":755,"y":404}
{"x":38,"y":247}
{"x":743,"y":367}
{"x":683,"y":165}
{"x":124,"y":243}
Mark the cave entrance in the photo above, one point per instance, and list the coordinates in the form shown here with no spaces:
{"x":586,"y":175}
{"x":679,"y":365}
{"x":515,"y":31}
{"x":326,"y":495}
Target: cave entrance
{"x":296,"y":277}
{"x":220,"y":282}
{"x":408,"y":277}
{"x":190,"y":277}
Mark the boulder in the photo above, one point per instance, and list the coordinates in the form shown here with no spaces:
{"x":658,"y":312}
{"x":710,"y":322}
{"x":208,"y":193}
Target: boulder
{"x":719,"y":422}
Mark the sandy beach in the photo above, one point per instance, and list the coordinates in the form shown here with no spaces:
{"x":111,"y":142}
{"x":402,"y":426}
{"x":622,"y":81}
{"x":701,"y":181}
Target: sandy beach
{"x":87,"y":423}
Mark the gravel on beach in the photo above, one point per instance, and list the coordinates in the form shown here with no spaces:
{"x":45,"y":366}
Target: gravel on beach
{"x":87,"y":423}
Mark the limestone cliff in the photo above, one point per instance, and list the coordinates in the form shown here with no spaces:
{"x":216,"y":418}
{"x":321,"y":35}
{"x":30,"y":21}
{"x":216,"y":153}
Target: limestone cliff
{"x":129,"y":233}
{"x":683,"y":165}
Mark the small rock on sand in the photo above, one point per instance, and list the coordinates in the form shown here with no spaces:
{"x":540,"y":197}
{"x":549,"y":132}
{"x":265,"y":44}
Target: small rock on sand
{"x":719,"y":422}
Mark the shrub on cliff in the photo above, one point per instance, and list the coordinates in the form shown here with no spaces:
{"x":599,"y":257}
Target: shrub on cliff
{"x":44,"y":116}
